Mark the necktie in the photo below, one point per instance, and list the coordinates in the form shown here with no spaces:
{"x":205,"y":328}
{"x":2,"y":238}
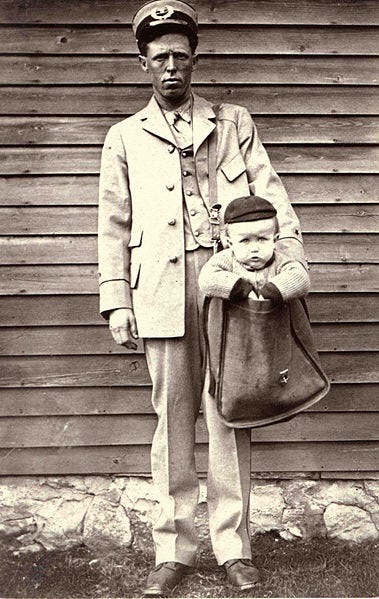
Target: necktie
{"x":182,"y":129}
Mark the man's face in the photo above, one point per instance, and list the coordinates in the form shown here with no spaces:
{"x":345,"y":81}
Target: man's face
{"x":170,"y":62}
{"x":252,"y":242}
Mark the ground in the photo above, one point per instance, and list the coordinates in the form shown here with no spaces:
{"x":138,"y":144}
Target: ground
{"x":314,"y":568}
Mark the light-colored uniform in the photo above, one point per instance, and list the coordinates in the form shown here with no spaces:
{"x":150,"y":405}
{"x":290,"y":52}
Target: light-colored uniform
{"x":154,"y":238}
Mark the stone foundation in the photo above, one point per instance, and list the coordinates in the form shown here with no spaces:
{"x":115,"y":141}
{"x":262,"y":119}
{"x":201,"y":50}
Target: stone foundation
{"x":104,"y":512}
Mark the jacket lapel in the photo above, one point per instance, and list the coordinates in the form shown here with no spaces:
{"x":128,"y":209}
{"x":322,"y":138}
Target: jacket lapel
{"x":154,"y":122}
{"x":203,"y":121}
{"x":203,"y":117}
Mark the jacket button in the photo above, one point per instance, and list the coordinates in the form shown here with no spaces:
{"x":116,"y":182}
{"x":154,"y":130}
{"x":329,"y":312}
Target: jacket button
{"x":171,"y":149}
{"x":185,"y":173}
{"x":170,"y":186}
{"x":196,"y":233}
{"x":184,"y":154}
{"x":173,"y":259}
{"x":172,"y":222}
{"x":188,"y":192}
{"x":193,"y":212}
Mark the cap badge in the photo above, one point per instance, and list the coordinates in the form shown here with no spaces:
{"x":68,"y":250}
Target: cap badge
{"x":164,"y":12}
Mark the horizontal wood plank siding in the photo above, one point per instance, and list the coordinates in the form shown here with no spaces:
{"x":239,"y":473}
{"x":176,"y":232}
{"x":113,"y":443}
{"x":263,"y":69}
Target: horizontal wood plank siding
{"x":25,"y":131}
{"x":29,"y":70}
{"x":71,"y":190}
{"x":123,"y":99}
{"x":299,"y":12}
{"x":81,"y":249}
{"x":285,"y":159}
{"x":77,"y":401}
{"x":221,"y":39}
{"x":38,"y":310}
{"x":71,"y":401}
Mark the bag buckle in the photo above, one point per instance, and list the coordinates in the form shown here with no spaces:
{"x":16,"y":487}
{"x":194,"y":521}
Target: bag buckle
{"x":214,"y":221}
{"x":283,"y":379}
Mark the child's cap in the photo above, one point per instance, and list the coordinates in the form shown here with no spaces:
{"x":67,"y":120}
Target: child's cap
{"x":248,"y":208}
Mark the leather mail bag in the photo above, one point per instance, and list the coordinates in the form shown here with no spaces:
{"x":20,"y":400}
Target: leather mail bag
{"x":263,"y":363}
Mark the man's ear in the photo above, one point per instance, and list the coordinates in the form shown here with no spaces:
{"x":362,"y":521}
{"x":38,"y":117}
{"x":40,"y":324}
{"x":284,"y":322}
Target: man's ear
{"x":276,"y":236}
{"x":195,"y":60}
{"x":143,"y":63}
{"x":228,"y":241}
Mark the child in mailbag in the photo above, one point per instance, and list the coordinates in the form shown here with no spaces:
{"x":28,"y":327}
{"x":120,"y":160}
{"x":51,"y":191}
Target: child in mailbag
{"x":263,"y":364}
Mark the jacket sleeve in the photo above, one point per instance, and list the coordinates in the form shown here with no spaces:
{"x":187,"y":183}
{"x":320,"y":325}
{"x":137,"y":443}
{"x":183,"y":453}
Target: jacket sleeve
{"x":114,"y":226}
{"x":264,"y":182}
{"x":292,"y":281}
{"x":216,"y":279}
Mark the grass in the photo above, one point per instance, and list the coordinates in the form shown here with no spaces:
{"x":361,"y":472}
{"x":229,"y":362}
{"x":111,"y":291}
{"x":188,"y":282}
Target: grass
{"x":316,"y":568}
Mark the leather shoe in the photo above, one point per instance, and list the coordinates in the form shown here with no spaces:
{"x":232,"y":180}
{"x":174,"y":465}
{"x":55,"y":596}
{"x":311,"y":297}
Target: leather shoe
{"x":241,"y":573}
{"x":164,"y":578}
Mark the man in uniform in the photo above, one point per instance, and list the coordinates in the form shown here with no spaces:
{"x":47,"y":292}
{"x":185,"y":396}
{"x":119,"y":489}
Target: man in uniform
{"x":154,"y":237}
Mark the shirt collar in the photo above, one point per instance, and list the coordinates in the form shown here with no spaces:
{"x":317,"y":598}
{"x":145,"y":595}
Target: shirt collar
{"x":184,"y":111}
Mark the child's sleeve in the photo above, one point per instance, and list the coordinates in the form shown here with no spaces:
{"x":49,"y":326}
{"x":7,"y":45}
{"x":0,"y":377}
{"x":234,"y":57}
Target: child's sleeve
{"x":291,"y":282}
{"x":216,"y":278}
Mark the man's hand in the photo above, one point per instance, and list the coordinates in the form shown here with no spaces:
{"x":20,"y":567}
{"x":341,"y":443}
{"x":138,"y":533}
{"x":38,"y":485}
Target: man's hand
{"x":123,"y":326}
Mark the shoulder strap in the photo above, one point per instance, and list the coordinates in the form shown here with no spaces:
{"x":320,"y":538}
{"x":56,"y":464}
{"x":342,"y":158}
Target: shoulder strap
{"x":212,"y":178}
{"x":212,"y":161}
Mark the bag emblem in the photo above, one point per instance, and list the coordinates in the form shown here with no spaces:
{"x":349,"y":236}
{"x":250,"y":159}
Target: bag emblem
{"x":283,"y":379}
{"x":164,"y":12}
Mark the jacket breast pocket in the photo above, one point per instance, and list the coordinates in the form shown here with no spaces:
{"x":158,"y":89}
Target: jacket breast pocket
{"x":135,"y":258}
{"x":234,"y":168}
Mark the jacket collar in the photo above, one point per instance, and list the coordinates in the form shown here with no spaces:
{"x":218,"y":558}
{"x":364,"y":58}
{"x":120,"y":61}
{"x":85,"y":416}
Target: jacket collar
{"x":203,"y":117}
{"x":154,"y":122}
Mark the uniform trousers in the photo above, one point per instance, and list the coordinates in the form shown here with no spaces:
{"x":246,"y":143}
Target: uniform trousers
{"x":176,"y":369}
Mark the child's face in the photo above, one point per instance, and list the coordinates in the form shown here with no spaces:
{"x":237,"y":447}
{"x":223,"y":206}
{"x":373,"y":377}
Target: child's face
{"x":252,"y":242}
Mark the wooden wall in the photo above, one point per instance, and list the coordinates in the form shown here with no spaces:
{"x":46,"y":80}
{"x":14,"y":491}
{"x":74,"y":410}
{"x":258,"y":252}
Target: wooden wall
{"x":71,"y":401}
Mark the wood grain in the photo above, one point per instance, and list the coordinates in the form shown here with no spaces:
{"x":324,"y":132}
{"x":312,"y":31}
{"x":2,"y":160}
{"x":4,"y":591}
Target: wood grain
{"x":285,"y":159}
{"x":119,"y":39}
{"x":306,"y":12}
{"x":35,"y":190}
{"x":80,"y":249}
{"x":266,"y":457}
{"x":74,"y":371}
{"x":332,"y":218}
{"x":42,"y":310}
{"x":72,"y":401}
{"x":88,"y":130}
{"x":83,"y":279}
{"x":74,"y":431}
{"x":92,"y":340}
{"x":75,"y":401}
{"x":105,"y":370}
{"x":123,"y":100}
{"x":87,"y":69}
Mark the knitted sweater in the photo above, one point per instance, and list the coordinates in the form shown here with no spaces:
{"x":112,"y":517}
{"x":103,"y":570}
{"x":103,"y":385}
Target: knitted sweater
{"x":282,"y":279}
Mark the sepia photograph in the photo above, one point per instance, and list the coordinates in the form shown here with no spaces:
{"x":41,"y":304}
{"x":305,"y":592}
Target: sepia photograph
{"x":189,"y":278}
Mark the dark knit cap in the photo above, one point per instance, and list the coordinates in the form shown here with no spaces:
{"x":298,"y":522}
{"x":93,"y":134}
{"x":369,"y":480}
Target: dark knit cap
{"x":247,"y":209}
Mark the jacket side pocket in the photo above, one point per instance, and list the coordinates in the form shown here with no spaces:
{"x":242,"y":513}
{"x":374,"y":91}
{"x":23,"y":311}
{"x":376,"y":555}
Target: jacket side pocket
{"x":135,"y":264}
{"x":135,"y":268}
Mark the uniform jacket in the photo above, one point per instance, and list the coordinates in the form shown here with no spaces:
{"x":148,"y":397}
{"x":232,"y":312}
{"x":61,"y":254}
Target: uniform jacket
{"x":141,"y":236}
